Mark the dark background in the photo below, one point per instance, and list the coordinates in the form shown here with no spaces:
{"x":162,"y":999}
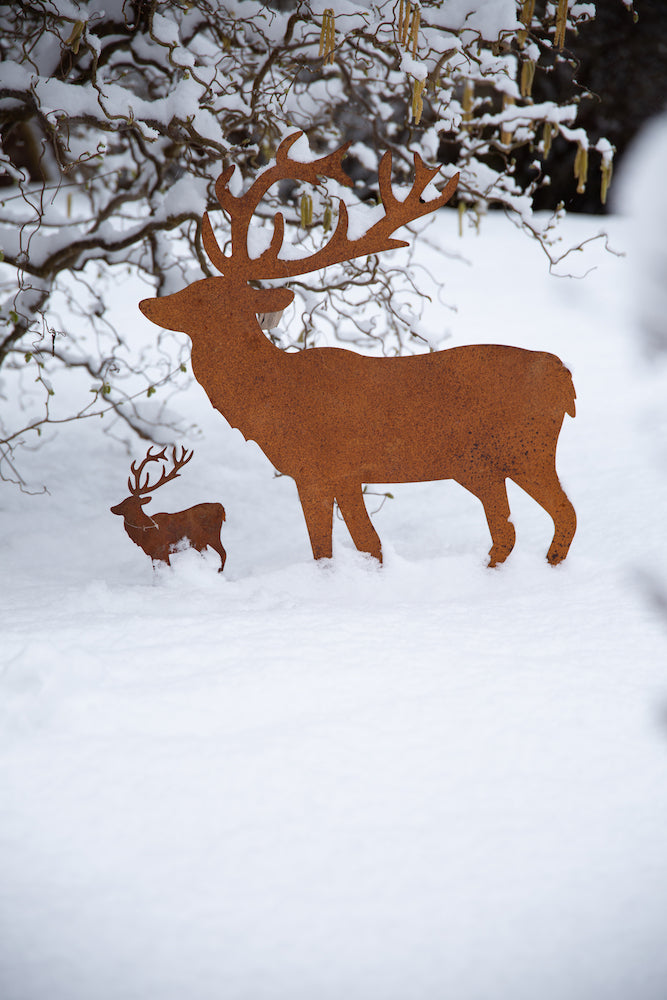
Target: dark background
{"x":623,"y":63}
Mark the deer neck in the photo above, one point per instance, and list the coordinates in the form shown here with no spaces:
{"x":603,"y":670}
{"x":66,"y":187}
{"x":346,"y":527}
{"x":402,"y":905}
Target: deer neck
{"x":137,"y":521}
{"x":239,"y":369}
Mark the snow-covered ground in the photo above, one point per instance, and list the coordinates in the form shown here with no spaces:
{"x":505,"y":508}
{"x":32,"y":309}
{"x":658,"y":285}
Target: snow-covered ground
{"x":295,"y":781}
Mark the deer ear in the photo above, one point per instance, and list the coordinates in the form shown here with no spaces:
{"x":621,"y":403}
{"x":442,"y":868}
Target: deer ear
{"x":281,"y":298}
{"x":144,"y":500}
{"x":266,"y":300}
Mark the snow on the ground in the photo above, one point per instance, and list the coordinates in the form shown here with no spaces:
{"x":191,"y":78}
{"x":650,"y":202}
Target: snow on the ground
{"x":293,"y":781}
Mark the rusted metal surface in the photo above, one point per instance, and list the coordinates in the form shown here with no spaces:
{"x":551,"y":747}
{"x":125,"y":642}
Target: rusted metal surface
{"x":335,"y":420}
{"x":159,"y":535}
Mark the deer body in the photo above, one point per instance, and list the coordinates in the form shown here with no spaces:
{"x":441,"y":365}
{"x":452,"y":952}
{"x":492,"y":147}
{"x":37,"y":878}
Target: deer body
{"x":161,"y":534}
{"x":334,"y":420}
{"x":403,"y":419}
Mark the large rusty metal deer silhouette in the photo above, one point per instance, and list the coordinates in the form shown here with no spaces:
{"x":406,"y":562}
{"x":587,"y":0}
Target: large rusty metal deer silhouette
{"x":335,"y":420}
{"x":159,"y":535}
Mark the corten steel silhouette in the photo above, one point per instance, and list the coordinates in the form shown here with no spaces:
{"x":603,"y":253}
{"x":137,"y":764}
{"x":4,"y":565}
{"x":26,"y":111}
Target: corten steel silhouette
{"x":333,"y":419}
{"x":161,"y":534}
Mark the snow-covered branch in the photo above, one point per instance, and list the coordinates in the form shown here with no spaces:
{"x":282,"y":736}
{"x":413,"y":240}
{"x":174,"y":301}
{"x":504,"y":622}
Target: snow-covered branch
{"x":116,"y":121}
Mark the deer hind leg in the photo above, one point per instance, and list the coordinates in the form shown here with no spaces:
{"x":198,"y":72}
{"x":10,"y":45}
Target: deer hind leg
{"x":493,"y":496}
{"x":318,"y":511}
{"x":204,"y":530}
{"x":545,"y":488}
{"x":217,"y":546}
{"x":353,"y":509}
{"x":215,"y":541}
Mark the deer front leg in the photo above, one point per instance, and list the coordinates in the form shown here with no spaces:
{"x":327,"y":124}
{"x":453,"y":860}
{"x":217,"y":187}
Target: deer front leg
{"x":352,"y":507}
{"x":497,"y":510}
{"x":493,"y":495}
{"x":318,"y":511}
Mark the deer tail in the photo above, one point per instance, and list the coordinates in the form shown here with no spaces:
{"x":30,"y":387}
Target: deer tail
{"x":561,"y":386}
{"x":568,"y":391}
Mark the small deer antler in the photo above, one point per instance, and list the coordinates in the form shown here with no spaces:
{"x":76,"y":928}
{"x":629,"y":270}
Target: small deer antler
{"x":138,"y":488}
{"x":340,"y":247}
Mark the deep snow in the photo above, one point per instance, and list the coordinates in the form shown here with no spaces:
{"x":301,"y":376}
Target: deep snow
{"x":295,"y":781}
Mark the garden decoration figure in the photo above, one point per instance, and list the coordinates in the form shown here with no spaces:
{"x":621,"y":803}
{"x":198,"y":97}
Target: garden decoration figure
{"x":161,"y":534}
{"x":334,"y":420}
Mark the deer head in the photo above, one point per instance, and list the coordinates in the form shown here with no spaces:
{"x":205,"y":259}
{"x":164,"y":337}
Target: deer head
{"x":140,"y":492}
{"x":206,"y":303}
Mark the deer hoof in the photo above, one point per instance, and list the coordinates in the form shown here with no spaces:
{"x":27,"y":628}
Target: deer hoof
{"x":497,"y":556}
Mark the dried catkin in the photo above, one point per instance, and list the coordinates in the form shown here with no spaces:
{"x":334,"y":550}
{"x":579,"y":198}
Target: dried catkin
{"x":606,"y":169}
{"x":468,"y":100}
{"x":414,"y":29}
{"x":75,"y":38}
{"x":581,"y":168}
{"x":527,"y":77}
{"x":417,"y":102}
{"x":561,"y":23}
{"x":526,"y":18}
{"x":328,"y":36}
{"x":404,"y":11}
{"x":306,"y":211}
{"x":462,"y":212}
{"x":506,"y":132}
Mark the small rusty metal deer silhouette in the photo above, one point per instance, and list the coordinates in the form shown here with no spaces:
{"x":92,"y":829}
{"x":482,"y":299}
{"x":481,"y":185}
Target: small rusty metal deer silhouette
{"x":161,"y":534}
{"x":333,"y":419}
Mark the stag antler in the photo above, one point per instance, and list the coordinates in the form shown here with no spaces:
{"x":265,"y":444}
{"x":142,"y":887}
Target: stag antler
{"x":139,"y":489}
{"x":242,"y":208}
{"x":340,"y":247}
